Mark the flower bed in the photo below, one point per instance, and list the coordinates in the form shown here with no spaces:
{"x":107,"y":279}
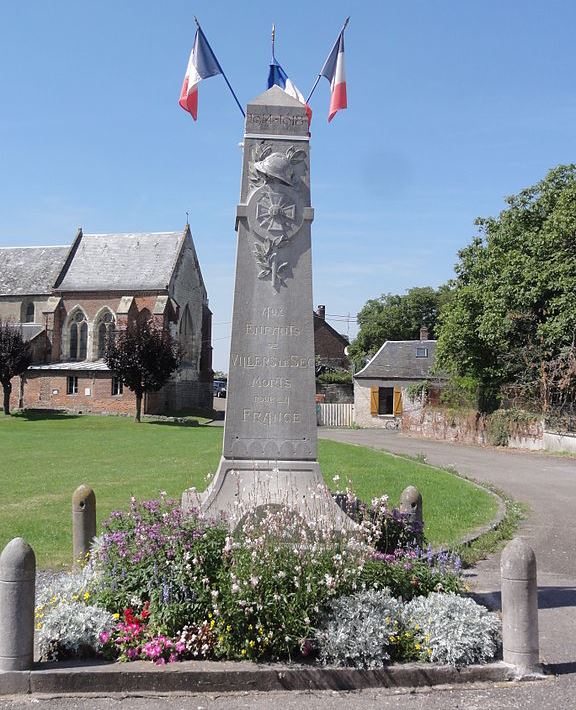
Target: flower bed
{"x":164,"y":586}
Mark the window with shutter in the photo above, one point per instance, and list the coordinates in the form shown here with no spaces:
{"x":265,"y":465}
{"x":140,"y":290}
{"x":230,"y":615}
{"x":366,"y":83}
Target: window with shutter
{"x":397,"y":401}
{"x":374,"y":400}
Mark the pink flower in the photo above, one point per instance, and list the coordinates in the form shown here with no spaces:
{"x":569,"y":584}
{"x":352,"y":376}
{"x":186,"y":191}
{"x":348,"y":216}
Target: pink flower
{"x":104,"y":636}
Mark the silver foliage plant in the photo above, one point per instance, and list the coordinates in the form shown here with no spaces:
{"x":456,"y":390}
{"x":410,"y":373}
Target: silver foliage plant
{"x":72,"y":630}
{"x":358,"y":629}
{"x":364,"y":629}
{"x":453,"y":629}
{"x":67,"y":624}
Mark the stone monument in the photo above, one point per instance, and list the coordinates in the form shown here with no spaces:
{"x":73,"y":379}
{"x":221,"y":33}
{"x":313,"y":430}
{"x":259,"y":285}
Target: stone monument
{"x":269,"y":454}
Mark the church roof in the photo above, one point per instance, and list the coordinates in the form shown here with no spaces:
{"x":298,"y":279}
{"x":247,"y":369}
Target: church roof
{"x":30,"y":271}
{"x":121,"y":262}
{"x":402,"y":360}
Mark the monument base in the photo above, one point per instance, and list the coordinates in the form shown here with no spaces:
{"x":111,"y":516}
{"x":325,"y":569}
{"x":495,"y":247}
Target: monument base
{"x":243,"y":486}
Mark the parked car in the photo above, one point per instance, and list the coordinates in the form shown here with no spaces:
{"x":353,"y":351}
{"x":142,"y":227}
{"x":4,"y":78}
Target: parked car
{"x":219,"y":388}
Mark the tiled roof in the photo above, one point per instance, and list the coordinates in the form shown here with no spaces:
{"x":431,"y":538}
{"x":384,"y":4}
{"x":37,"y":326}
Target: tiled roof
{"x":121,"y":262}
{"x":30,"y":271}
{"x":31,"y":330}
{"x":397,"y":359}
{"x":84,"y":366}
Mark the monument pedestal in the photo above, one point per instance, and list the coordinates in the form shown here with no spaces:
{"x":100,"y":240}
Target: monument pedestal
{"x":240,"y":487}
{"x":269,"y":453}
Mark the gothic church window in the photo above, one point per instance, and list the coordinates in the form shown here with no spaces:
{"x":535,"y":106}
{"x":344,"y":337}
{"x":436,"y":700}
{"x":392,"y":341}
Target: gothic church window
{"x":104,"y":332}
{"x":29,"y":315}
{"x":78,"y":336}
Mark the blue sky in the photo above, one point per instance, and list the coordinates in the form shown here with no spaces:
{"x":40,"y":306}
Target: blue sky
{"x":453,"y":106}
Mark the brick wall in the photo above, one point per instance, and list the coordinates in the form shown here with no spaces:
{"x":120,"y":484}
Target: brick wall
{"x":48,"y":391}
{"x":328,"y":345}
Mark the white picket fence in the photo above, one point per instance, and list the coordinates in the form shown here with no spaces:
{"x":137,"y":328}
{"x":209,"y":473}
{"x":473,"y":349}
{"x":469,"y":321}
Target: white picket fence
{"x":335,"y":415}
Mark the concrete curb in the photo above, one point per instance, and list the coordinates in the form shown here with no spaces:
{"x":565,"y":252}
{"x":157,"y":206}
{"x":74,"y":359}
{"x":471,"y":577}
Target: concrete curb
{"x":205,"y":676}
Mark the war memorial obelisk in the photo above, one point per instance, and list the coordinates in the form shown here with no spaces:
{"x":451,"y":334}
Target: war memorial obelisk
{"x":269,"y":453}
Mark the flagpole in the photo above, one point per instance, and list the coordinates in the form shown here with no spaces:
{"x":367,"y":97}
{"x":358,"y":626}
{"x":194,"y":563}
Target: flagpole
{"x":273,"y":40}
{"x":220,"y":67}
{"x":346,"y":21}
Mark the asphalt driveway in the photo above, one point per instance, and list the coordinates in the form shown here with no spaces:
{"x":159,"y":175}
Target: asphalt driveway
{"x":548,"y":485}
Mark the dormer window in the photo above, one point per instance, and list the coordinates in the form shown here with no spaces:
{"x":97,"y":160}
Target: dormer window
{"x":421,"y":352}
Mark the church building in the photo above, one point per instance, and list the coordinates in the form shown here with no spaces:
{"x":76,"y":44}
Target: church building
{"x":69,"y":300}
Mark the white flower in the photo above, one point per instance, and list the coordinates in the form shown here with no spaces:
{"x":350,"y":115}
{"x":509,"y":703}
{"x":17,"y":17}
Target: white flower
{"x":254,"y":581}
{"x":235,"y":588}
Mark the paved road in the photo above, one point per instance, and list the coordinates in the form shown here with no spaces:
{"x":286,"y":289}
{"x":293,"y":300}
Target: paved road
{"x":552,"y":694}
{"x":548,"y":484}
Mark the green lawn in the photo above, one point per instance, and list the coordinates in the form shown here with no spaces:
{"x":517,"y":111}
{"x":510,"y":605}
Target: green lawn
{"x":44,"y":458}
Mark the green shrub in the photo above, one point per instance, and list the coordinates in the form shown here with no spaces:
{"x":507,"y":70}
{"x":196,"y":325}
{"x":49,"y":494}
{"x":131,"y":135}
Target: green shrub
{"x":460,"y":392}
{"x":408,"y":575}
{"x":275,"y":583}
{"x":504,"y":423}
{"x":335,"y":377}
{"x":155,"y":554}
{"x":418,"y":390}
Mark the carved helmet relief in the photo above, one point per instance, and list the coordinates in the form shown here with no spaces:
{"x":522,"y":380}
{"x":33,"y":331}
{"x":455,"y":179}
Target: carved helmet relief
{"x":275,"y":210}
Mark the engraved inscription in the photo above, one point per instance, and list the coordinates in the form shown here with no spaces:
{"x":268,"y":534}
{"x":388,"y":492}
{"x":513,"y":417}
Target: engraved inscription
{"x":272,"y":382}
{"x":271,"y":120}
{"x":252,"y":360}
{"x":273,"y":311}
{"x":269,"y":399}
{"x":269,"y":418}
{"x":272,"y":330}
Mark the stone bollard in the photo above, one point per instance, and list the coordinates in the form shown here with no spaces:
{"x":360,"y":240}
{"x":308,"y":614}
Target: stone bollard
{"x":17,"y":599}
{"x":83,"y":523}
{"x":411,"y":502}
{"x":520,"y":608}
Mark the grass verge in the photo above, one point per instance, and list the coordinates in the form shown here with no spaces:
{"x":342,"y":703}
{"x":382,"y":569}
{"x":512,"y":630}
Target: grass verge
{"x":44,"y":458}
{"x":494,"y":540}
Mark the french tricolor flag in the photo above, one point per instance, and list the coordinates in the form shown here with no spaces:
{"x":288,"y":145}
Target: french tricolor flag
{"x":201,"y":65}
{"x":334,"y":71}
{"x":278,"y":77}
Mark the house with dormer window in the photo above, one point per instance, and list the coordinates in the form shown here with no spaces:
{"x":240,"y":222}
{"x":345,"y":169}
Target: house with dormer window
{"x":381,"y":387}
{"x":69,"y":301}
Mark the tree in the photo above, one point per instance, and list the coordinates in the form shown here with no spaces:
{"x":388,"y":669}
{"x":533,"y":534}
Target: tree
{"x":396,"y":317}
{"x":512,"y":316}
{"x":15,"y":358}
{"x":143,"y":357}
